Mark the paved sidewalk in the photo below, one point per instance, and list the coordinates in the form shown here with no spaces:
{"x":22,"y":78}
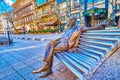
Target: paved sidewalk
{"x":110,"y":69}
{"x":18,"y":60}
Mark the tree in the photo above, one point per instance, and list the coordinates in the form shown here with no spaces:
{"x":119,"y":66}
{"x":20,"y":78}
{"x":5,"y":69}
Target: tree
{"x":8,"y":12}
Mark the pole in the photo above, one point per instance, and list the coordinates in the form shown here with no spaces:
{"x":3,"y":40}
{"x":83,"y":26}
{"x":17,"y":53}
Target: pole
{"x":115,"y":6}
{"x":107,"y":6}
{"x":85,"y":9}
{"x":80,"y":8}
{"x":8,"y":33}
{"x":92,"y":13}
{"x":92,"y":3}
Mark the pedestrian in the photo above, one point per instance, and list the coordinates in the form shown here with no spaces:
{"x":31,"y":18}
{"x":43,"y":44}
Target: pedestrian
{"x":68,"y":42}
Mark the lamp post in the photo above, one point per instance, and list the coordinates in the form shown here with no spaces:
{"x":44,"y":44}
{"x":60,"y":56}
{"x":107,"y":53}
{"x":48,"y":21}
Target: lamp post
{"x":85,"y":9}
{"x":8,"y":29}
{"x":92,"y":21}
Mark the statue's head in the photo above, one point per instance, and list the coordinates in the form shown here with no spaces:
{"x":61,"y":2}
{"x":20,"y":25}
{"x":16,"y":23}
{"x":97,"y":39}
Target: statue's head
{"x":72,"y":20}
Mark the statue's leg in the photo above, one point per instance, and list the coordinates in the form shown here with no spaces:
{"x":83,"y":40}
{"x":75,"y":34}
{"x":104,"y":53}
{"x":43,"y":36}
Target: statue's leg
{"x":49,"y":61}
{"x":49,"y":52}
{"x":59,"y":48}
{"x":49,"y":57}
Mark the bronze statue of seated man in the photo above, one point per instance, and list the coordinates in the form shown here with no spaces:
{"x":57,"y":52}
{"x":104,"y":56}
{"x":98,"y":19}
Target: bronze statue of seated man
{"x":68,"y":41}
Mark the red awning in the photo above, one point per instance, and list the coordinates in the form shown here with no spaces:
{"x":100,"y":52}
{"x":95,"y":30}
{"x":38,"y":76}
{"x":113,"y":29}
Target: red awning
{"x":52,"y":23}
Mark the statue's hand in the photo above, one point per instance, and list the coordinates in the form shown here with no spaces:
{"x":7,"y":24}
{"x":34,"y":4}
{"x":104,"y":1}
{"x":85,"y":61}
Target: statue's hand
{"x":104,"y":23}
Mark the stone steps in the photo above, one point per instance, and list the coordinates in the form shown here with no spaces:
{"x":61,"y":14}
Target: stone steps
{"x":94,"y":47}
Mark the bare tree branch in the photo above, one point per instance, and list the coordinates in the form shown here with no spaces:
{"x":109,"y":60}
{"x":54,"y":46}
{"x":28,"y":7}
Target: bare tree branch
{"x":8,"y":14}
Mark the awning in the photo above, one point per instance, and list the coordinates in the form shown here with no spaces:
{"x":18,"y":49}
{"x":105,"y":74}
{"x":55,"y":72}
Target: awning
{"x":51,"y":23}
{"x":50,"y":20}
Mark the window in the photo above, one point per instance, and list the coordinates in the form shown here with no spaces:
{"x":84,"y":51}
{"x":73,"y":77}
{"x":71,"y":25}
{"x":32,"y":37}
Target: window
{"x":77,"y":23}
{"x":32,"y":17}
{"x":63,"y":18}
{"x":74,"y":15}
{"x":31,"y":7}
{"x":44,"y":11}
{"x":52,"y":8}
{"x":118,"y":7}
{"x":77,"y":15}
{"x":75,"y":4}
{"x":71,"y":15}
{"x":25,"y":19}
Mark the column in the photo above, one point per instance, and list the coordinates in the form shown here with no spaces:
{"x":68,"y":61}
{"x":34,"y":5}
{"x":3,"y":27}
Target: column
{"x":85,"y":9}
{"x":107,"y":5}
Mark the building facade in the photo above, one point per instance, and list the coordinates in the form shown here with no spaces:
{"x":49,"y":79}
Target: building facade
{"x":46,"y":14}
{"x":67,"y":8}
{"x":96,"y":13}
{"x":62,"y":9}
{"x":24,"y":14}
{"x":1,"y":27}
{"x":4,"y":24}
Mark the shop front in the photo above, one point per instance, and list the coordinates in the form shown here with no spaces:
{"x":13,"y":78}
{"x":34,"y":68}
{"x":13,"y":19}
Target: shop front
{"x":95,"y":16}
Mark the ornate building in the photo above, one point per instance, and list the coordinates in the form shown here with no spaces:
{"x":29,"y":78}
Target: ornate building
{"x":67,"y":8}
{"x":46,"y":14}
{"x":1,"y":27}
{"x":62,"y":9}
{"x":24,"y":14}
{"x":4,"y":23}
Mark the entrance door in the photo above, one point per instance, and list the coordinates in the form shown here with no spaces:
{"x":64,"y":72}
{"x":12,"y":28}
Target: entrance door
{"x":117,"y":20}
{"x":88,"y":21}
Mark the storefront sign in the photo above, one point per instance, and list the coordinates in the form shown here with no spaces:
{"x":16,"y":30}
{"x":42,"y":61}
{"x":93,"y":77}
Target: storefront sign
{"x":96,"y":10}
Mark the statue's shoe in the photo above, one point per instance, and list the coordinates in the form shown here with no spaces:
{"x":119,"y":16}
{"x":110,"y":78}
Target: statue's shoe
{"x":46,"y":73}
{"x":43,"y":69}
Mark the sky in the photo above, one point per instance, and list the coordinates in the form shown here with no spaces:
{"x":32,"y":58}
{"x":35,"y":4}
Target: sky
{"x":6,"y":5}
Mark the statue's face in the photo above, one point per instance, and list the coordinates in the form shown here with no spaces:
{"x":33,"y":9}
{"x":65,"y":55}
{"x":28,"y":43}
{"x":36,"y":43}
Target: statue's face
{"x":72,"y":22}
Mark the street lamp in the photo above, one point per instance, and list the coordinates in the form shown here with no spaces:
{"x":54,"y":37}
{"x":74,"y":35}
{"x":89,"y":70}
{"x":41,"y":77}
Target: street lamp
{"x":8,"y":33}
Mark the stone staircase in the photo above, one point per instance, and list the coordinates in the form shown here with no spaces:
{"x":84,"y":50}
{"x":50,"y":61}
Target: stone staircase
{"x":94,"y":48}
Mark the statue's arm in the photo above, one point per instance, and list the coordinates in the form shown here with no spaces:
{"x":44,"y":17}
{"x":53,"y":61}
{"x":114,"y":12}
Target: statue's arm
{"x":56,"y":40}
{"x":97,"y":27}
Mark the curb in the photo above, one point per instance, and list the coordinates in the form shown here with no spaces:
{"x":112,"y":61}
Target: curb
{"x":36,"y":39}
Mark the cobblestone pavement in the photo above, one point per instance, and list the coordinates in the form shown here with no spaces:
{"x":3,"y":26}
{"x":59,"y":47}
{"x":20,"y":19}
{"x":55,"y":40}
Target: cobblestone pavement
{"x":17,"y":61}
{"x":110,"y":69}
